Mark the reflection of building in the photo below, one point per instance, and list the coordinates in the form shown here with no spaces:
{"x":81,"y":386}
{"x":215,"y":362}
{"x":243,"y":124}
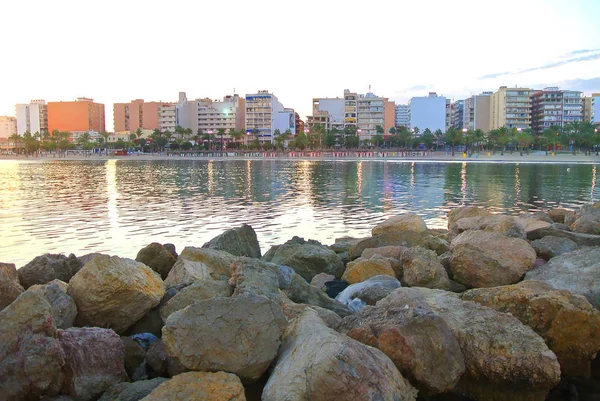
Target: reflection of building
{"x":32,"y":117}
{"x":82,"y":115}
{"x":554,"y":107}
{"x":8,"y":126}
{"x":510,"y":108}
{"x":428,"y":112}
{"x":261,"y":112}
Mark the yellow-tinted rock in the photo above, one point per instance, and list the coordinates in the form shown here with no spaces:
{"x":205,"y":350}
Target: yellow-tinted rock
{"x":403,"y":222}
{"x":199,"y":386}
{"x":363,"y":269}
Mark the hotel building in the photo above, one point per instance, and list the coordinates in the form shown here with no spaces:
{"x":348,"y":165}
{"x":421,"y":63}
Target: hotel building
{"x":510,"y":108}
{"x":82,"y":115}
{"x":8,"y":126}
{"x":554,"y":107}
{"x":32,"y":117}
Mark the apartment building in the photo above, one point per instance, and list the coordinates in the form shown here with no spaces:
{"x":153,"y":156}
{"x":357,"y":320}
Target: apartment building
{"x":261,"y":111}
{"x":167,"y":116}
{"x":328,"y":112}
{"x":587,"y":109}
{"x":402,"y":119}
{"x":8,"y":126}
{"x":595,"y":109}
{"x":458,"y":114}
{"x":350,"y":108}
{"x":32,"y":117}
{"x":476,"y":113}
{"x":81,"y":115}
{"x":428,"y":112}
{"x":554,"y":107}
{"x":510,"y":108}
{"x":128,"y":117}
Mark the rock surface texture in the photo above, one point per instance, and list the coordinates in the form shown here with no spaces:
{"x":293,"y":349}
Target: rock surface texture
{"x":64,"y":310}
{"x":10,"y":288}
{"x":199,"y":386}
{"x":195,"y":264}
{"x":156,"y":257}
{"x":403,"y":222}
{"x":45,"y":268}
{"x":241,"y":241}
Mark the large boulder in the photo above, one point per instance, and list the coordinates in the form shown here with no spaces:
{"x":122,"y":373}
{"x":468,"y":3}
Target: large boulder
{"x":255,"y":277}
{"x":363,"y":269}
{"x":586,"y":220}
{"x":45,"y":268}
{"x":237,"y":334}
{"x":199,"y":386}
{"x":368,"y":292}
{"x":10,"y":288}
{"x":504,"y":359}
{"x":114,"y":292}
{"x":64,"y":310}
{"x":422,"y":268}
{"x":132,"y":391}
{"x":316,"y":363}
{"x":307,"y":258}
{"x":532,"y":223}
{"x":577,"y":271}
{"x":195,"y":264}
{"x":198,"y":291}
{"x":240,"y":241}
{"x":425,"y":239}
{"x":558,"y":215}
{"x":156,"y":257}
{"x":462,"y":212}
{"x":292,"y":310}
{"x":343,"y":244}
{"x":551,"y":246}
{"x":419,"y":343}
{"x":505,"y":225}
{"x":31,"y":358}
{"x":489,"y":259}
{"x":403,"y":222}
{"x":568,"y":323}
{"x":94,"y":361}
{"x":389,"y":251}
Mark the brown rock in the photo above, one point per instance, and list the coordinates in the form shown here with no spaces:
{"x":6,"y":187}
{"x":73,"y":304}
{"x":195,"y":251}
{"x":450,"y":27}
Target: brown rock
{"x":403,"y":222}
{"x":64,"y":310}
{"x":461,"y":212}
{"x":363,"y":269}
{"x":47,"y":267}
{"x":422,"y":268}
{"x":239,"y":241}
{"x":568,"y":323}
{"x":198,"y":291}
{"x":195,"y":264}
{"x":320,"y":279}
{"x":199,"y":386}
{"x":133,"y":356}
{"x":343,"y":244}
{"x":10,"y":288}
{"x":156,"y":257}
{"x":505,"y":225}
{"x":531,"y":224}
{"x":131,"y":391}
{"x":558,"y":215}
{"x":390,"y":251}
{"x":292,"y":310}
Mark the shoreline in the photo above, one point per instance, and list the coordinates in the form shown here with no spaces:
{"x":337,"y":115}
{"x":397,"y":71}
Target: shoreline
{"x":315,"y":156}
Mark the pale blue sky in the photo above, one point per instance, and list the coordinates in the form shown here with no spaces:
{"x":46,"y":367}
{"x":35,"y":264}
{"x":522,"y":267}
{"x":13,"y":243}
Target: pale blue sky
{"x":116,"y":51}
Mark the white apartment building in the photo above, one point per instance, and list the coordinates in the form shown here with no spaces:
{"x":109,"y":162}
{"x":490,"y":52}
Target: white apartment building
{"x":402,"y":116}
{"x":371,"y":113}
{"x":32,"y":117}
{"x":261,"y":112}
{"x":428,"y":112}
{"x":8,"y":126}
{"x":285,"y":120}
{"x":206,"y":115}
{"x":167,"y":117}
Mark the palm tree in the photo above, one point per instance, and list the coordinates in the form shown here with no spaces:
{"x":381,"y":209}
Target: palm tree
{"x":221,"y":132}
{"x":236,"y":135}
{"x":105,"y":136}
{"x":16,"y":138}
{"x":139,"y":133}
{"x":453,"y":136}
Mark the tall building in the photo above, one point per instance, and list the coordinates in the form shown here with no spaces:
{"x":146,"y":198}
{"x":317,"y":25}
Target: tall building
{"x":82,"y":115}
{"x":327,"y":112}
{"x":595,"y":107}
{"x":32,"y":117}
{"x":458,"y":114}
{"x":350,"y":108}
{"x":510,"y":108}
{"x":428,"y":112}
{"x":128,"y":117}
{"x":167,"y":116}
{"x":402,"y":119}
{"x":555,"y":107}
{"x":8,"y":126}
{"x":476,"y":113}
{"x":261,"y":112}
{"x":587,"y":109}
{"x":371,"y":113}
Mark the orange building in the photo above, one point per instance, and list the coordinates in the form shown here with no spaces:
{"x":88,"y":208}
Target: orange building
{"x":83,"y":115}
{"x":134,"y":115}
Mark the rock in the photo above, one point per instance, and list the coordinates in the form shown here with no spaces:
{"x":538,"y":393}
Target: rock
{"x":363,"y":269}
{"x":64,"y":310}
{"x":292,"y":310}
{"x":114,"y":292}
{"x":551,"y":246}
{"x":586,"y":220}
{"x":403,"y":222}
{"x":568,"y":323}
{"x":158,"y":258}
{"x":504,"y":359}
{"x":31,"y":359}
{"x":89,"y":256}
{"x":558,"y":215}
{"x":320,"y":279}
{"x":335,"y":286}
{"x":160,"y":363}
{"x":343,"y":244}
{"x":390,"y":251}
{"x":195,"y":264}
{"x":255,"y":277}
{"x":489,"y":259}
{"x":45,"y":268}
{"x":402,"y":238}
{"x":10,"y":289}
{"x":462,"y":212}
{"x":307,"y":258}
{"x":539,"y":216}
{"x":419,"y":343}
{"x":421,"y":268}
{"x":531,"y":224}
{"x":171,"y":249}
{"x":316,"y":363}
{"x":200,"y":290}
{"x":299,"y":291}
{"x":152,"y":322}
{"x":505,"y":225}
{"x":134,"y":356}
{"x":132,"y":391}
{"x":370,"y":291}
{"x":94,"y":361}
{"x":577,"y":271}
{"x":238,"y":334}
{"x":579,"y":238}
{"x":199,"y":386}
{"x":240,"y":241}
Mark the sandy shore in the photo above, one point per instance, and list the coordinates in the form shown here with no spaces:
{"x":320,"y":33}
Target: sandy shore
{"x":330,"y":156}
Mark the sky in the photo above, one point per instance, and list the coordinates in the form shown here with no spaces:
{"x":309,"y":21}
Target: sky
{"x":117,"y":51}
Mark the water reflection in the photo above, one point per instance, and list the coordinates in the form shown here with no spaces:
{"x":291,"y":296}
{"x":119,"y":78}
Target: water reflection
{"x":120,"y":206}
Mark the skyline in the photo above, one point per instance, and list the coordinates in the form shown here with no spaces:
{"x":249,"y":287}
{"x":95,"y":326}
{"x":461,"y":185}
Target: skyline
{"x":458,"y":50}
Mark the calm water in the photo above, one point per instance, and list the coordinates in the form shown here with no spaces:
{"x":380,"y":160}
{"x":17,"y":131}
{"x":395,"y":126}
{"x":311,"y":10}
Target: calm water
{"x":118,"y":207}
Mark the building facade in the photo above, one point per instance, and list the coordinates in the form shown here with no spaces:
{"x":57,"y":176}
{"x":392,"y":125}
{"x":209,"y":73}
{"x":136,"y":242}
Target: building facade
{"x":555,"y":107}
{"x":371,"y":113}
{"x":128,"y":117}
{"x":477,"y":112}
{"x":428,"y":112}
{"x":595,"y":109}
{"x":167,"y":117}
{"x":8,"y":126}
{"x":402,"y":118}
{"x":458,"y":114}
{"x":587,"y":109}
{"x":32,"y":117}
{"x":510,"y":108}
{"x":82,"y":115}
{"x":261,"y":112}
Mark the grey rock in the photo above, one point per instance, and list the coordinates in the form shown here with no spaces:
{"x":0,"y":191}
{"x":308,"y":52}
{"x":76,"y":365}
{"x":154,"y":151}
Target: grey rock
{"x":370,"y":291}
{"x":195,"y":264}
{"x":551,"y":246}
{"x":156,"y":257}
{"x":132,"y":391}
{"x":64,"y":310}
{"x":320,"y":279}
{"x":45,"y":268}
{"x":198,"y":291}
{"x":240,"y":241}
{"x":160,"y":364}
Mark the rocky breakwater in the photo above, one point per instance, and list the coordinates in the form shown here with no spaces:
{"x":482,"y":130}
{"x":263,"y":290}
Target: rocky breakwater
{"x":494,"y":308}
